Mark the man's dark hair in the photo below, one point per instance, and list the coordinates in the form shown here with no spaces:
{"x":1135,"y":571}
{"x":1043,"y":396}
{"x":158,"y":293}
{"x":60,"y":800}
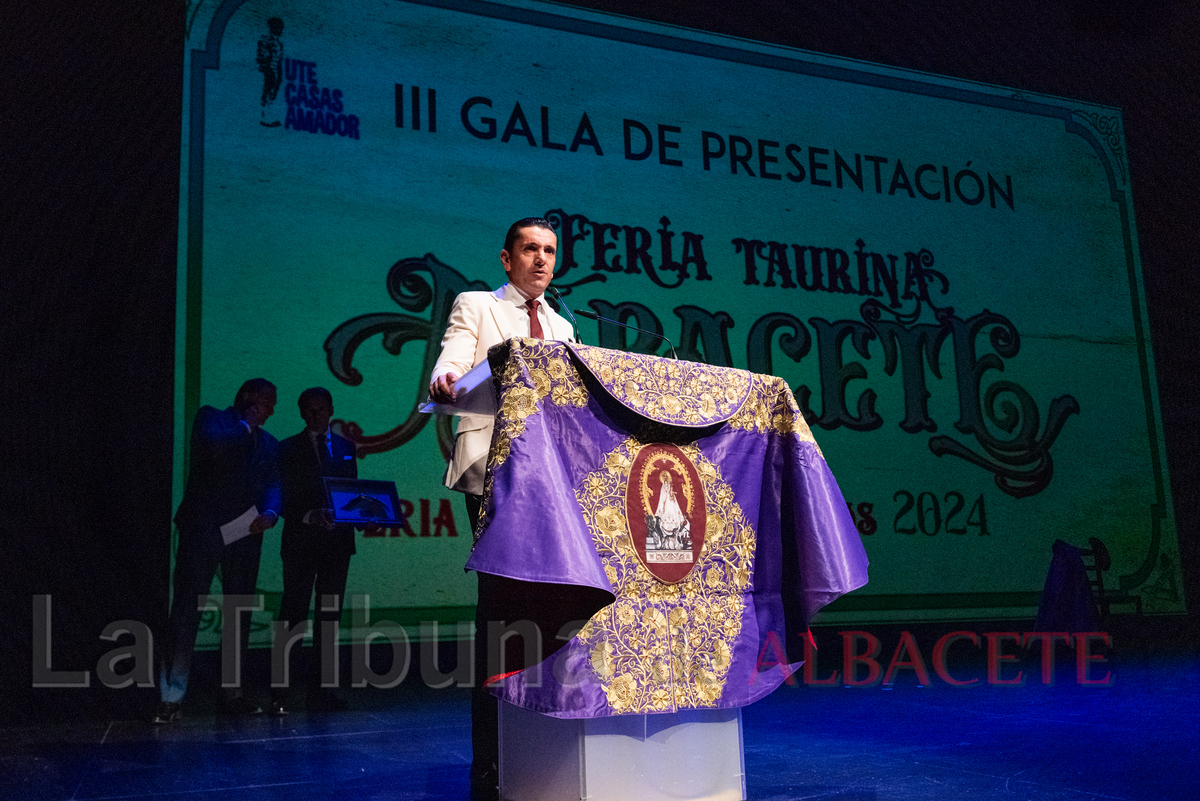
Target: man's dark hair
{"x":251,"y":391}
{"x":528,"y":222}
{"x":311,"y":394}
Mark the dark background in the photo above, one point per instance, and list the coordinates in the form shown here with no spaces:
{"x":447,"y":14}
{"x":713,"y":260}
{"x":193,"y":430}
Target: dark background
{"x":90,"y":108}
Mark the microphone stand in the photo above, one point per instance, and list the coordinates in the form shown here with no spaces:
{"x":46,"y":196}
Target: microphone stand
{"x":567,"y":309}
{"x":591,"y":315}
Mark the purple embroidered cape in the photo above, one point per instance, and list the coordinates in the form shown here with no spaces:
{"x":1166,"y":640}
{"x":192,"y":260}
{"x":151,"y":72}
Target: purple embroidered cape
{"x":696,"y":495}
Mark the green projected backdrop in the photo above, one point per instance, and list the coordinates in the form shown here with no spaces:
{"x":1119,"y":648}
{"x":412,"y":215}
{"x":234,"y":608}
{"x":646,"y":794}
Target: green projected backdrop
{"x":946,"y":273}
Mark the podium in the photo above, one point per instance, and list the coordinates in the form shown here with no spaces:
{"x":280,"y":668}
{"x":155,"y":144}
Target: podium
{"x":698,"y":498}
{"x":691,"y":755}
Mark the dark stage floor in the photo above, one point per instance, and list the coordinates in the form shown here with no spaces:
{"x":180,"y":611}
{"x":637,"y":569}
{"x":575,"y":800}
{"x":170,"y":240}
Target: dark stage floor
{"x":1135,"y":739}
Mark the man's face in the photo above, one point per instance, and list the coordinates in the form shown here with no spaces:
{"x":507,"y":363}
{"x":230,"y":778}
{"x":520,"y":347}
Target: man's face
{"x":317,"y":413}
{"x":263,"y":408}
{"x":530,"y":264}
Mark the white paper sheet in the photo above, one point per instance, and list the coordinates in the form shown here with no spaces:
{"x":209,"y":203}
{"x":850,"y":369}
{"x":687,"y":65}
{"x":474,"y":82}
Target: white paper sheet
{"x":239,"y":527}
{"x":475,"y":395}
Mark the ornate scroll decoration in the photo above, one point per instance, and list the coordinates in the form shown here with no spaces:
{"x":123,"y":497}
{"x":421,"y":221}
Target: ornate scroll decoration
{"x":919,"y":272}
{"x":1161,"y":592}
{"x":686,"y":394}
{"x":663,"y":647}
{"x":1022,"y":466}
{"x":1021,"y":462}
{"x":1109,"y":129}
{"x":415,"y":293}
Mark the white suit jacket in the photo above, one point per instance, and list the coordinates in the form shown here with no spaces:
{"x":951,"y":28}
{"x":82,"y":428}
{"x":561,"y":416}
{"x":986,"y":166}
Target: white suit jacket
{"x":479,"y":320}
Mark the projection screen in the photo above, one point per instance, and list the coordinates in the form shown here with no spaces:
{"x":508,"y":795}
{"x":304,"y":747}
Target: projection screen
{"x":946,"y":273}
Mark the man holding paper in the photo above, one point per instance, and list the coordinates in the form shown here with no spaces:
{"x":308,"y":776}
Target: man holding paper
{"x":232,"y":495}
{"x":478,"y":321}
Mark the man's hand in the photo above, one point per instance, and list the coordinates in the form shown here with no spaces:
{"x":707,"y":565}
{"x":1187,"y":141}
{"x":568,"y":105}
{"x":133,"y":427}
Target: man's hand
{"x":324,"y":518}
{"x":263,"y":522}
{"x":442,"y":390}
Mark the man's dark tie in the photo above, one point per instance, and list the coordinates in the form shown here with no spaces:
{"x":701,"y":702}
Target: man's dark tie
{"x":322,"y":449}
{"x":535,"y":325}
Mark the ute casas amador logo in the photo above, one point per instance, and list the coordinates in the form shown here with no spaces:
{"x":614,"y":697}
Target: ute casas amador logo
{"x":311,"y":106}
{"x":664,"y":504}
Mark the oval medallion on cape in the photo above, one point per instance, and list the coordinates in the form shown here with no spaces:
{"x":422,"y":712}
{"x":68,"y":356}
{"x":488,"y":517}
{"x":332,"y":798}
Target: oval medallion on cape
{"x":664,"y":504}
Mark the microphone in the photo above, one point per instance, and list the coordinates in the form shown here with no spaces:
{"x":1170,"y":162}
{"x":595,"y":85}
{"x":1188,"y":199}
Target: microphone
{"x":591,"y":315}
{"x":567,"y":309}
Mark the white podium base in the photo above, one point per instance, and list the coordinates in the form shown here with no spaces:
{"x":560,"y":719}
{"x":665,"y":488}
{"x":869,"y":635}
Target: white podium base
{"x":684,"y":756}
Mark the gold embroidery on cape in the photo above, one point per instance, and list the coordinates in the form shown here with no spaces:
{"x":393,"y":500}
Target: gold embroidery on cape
{"x":662,"y":647}
{"x":668,"y":391}
{"x":536,"y":369}
{"x":770,"y":406}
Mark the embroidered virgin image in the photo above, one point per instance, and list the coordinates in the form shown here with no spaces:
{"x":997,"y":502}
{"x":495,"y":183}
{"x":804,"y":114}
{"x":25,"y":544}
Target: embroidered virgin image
{"x":665,"y":508}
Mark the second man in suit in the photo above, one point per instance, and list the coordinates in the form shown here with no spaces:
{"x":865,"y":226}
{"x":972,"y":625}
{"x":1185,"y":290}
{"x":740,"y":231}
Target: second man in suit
{"x":315,"y":551}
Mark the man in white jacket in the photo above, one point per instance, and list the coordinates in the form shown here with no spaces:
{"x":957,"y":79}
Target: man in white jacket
{"x":478,"y":321}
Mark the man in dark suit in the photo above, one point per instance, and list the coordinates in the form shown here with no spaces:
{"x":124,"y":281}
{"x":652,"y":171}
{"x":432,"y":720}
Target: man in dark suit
{"x":232,"y":475}
{"x":316,"y":552}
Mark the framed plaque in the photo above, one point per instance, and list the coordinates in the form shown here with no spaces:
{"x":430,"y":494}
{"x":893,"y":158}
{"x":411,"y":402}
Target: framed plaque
{"x":359,"y":500}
